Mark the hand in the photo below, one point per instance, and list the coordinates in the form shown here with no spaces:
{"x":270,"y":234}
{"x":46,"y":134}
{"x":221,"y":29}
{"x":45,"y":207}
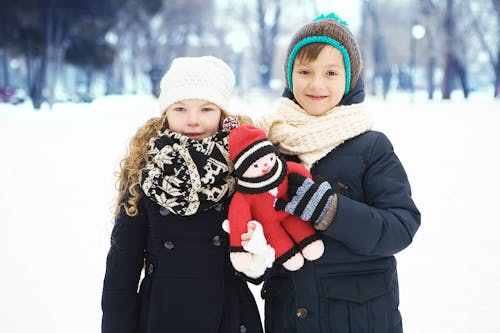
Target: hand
{"x":310,"y":200}
{"x":247,"y":236}
{"x":253,"y":241}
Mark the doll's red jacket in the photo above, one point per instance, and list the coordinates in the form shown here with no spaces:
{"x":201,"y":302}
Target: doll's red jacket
{"x":246,"y":207}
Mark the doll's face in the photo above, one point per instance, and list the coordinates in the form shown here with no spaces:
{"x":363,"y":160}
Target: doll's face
{"x":262,"y":166}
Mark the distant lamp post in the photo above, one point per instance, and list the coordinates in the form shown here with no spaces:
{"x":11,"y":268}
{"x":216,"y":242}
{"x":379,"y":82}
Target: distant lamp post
{"x":417,"y":33}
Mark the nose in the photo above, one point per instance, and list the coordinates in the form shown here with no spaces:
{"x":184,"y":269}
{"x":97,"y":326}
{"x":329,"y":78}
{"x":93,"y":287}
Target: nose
{"x":316,"y":81}
{"x":192,"y":118}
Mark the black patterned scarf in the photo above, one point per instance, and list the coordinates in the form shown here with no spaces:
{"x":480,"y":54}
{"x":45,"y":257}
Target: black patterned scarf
{"x":186,"y":176}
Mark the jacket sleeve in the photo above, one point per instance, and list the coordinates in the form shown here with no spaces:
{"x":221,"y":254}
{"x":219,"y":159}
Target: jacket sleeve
{"x":120,"y":300}
{"x":387,"y":220}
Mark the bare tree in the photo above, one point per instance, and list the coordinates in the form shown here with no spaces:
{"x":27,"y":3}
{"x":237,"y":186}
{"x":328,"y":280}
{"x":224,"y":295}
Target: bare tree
{"x":454,"y":65}
{"x":475,"y":25}
{"x":430,"y":15}
{"x":267,"y":38}
{"x":382,"y":69}
{"x":496,"y":4}
{"x":182,"y":28}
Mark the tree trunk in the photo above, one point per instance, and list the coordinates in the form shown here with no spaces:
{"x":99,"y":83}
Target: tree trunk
{"x":267,"y":37}
{"x":88,"y":86}
{"x":54,"y":49}
{"x":5,"y":69}
{"x":431,"y":68}
{"x":496,"y":4}
{"x":382,"y":68}
{"x":37,"y":68}
{"x":497,"y":74}
{"x":453,"y":65}
{"x":431,"y":62}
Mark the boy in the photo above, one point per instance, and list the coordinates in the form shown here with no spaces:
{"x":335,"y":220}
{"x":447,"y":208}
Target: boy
{"x":322,"y":123}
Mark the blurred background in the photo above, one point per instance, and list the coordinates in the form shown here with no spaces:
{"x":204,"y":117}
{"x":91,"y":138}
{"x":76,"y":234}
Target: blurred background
{"x":78,"y":78}
{"x":57,"y":51}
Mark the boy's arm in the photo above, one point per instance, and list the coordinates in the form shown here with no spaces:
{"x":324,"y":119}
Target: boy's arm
{"x":387,"y":220}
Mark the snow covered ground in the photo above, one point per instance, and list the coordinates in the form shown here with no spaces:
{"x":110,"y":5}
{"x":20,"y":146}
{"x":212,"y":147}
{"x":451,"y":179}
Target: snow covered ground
{"x":57,"y":193}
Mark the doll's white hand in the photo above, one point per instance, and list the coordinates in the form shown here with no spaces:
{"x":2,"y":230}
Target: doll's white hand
{"x":255,"y":242}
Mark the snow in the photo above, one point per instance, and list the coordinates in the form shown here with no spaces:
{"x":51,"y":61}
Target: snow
{"x":58,"y":189}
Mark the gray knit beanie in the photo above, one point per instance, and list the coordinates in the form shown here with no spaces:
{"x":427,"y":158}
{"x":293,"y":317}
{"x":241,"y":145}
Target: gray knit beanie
{"x":332,"y":30}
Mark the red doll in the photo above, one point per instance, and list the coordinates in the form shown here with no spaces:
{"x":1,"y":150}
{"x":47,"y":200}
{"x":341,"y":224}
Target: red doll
{"x":262,"y":178}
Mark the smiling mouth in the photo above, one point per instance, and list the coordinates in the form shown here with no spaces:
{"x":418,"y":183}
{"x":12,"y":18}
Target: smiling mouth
{"x":316,"y":98}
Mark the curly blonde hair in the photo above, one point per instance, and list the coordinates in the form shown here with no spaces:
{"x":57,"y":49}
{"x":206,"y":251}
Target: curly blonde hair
{"x":129,"y":191}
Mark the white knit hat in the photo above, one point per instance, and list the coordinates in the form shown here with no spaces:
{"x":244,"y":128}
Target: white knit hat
{"x":207,"y":78}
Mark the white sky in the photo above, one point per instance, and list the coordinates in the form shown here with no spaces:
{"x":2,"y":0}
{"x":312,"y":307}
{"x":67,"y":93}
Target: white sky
{"x":57,"y":191}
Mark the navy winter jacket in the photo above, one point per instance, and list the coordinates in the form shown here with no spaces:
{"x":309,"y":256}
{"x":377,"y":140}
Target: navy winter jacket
{"x":189,"y":284}
{"x":353,"y":287}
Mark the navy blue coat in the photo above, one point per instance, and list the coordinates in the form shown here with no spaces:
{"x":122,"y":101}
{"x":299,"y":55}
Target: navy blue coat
{"x":189,"y":283}
{"x":353,"y":287}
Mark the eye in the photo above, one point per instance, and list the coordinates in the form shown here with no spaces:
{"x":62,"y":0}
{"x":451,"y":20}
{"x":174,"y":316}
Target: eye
{"x":207,"y":109}
{"x":303,"y":72}
{"x":272,"y":158}
{"x":255,"y":165}
{"x":179,"y":109}
{"x":331,"y":73}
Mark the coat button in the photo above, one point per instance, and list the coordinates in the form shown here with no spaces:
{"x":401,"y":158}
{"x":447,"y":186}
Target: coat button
{"x":169,"y":245}
{"x":301,"y":313}
{"x":217,"y":240}
{"x":243,"y":328}
{"x":150,"y":269}
{"x":164,"y":211}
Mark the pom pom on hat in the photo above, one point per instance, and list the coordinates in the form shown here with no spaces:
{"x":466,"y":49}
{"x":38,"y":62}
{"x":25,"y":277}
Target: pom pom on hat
{"x":207,"y":78}
{"x":332,"y":30}
{"x":230,"y":123}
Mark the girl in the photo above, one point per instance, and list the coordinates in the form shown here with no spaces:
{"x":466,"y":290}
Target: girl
{"x":174,"y":187}
{"x":321,"y":122}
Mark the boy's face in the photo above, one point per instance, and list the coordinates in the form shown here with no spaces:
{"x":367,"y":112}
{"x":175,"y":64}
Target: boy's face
{"x":318,"y":85}
{"x":194,"y":118}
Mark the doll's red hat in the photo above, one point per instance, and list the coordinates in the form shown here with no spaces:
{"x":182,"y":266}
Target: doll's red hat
{"x":246,"y":144}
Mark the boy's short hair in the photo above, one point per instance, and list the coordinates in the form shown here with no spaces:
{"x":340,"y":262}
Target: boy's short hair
{"x":331,"y":30}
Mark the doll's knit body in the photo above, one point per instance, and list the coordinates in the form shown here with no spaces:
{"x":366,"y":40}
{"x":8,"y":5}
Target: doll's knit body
{"x":286,"y":233}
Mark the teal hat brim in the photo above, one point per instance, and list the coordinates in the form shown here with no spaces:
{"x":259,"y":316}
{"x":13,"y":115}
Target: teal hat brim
{"x":325,"y":40}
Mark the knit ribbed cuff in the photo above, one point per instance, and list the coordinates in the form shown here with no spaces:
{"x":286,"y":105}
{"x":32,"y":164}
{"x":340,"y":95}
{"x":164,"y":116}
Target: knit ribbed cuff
{"x":327,"y":220}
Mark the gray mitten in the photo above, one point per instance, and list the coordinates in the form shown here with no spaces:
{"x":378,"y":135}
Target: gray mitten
{"x":310,"y":200}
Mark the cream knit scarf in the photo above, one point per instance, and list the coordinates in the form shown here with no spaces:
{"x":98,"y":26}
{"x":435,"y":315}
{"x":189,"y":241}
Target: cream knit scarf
{"x":295,"y":132}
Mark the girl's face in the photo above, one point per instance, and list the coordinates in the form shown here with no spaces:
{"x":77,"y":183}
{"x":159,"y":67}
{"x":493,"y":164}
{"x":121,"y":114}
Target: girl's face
{"x":318,"y":85}
{"x":194,"y":118}
{"x":260,"y":167}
